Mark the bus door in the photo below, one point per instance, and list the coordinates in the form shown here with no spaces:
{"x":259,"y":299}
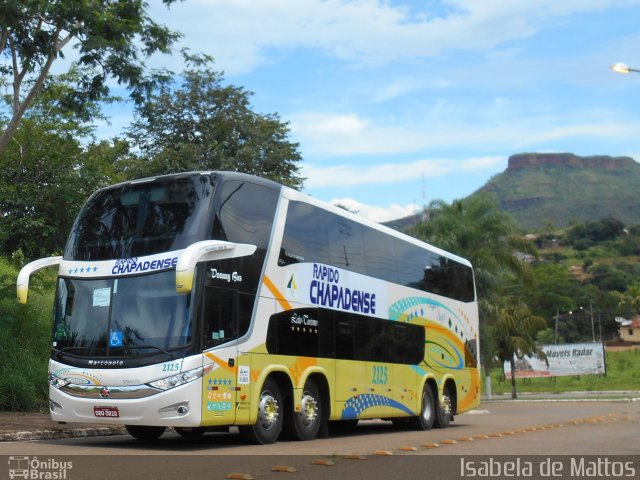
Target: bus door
{"x":221,"y":326}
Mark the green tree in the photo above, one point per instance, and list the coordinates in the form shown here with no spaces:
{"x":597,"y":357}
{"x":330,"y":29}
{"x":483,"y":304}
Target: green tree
{"x":630,"y":299}
{"x":548,"y":336}
{"x":111,"y":37}
{"x":195,"y":122}
{"x":515,"y":333}
{"x":593,"y":232}
{"x":611,"y":277}
{"x":46,"y":173}
{"x":553,"y":288}
{"x":477,"y":229}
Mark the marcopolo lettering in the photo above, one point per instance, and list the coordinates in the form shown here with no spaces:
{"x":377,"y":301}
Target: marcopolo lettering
{"x":326,"y":291}
{"x":133,"y":265}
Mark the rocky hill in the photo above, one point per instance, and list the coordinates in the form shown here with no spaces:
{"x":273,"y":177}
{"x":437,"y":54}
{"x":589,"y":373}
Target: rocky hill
{"x":539,"y":189}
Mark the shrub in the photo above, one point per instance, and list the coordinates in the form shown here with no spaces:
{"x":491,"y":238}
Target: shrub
{"x":24,"y":343}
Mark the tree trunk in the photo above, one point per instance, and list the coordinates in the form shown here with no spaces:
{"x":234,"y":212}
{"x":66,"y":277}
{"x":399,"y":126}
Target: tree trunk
{"x":19,"y":108}
{"x":514,"y":395}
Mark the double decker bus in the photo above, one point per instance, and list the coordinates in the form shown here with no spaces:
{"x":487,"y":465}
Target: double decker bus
{"x":205,"y":300}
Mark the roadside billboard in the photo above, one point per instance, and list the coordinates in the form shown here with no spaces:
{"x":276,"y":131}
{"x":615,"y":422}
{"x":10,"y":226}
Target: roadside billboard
{"x":566,"y":359}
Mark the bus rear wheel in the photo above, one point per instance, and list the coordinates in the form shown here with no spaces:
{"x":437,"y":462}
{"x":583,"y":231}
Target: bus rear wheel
{"x":444,"y":414}
{"x":305,"y":424}
{"x":427,"y":416}
{"x":142,"y":432}
{"x":269,"y":424}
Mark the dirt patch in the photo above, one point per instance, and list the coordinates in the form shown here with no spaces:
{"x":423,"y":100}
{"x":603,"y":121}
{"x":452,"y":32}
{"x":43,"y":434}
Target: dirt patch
{"x":35,"y":421}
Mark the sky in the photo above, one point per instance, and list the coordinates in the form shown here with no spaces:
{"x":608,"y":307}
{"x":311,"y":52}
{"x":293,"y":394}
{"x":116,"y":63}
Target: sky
{"x":397,"y":103}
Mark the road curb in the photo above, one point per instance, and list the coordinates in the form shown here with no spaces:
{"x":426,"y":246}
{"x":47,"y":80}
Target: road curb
{"x":58,"y":434}
{"x":575,"y":396}
{"x":560,"y":400}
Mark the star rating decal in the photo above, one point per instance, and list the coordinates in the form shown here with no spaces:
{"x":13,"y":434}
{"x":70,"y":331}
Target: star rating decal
{"x":220,"y":381}
{"x":86,"y":270}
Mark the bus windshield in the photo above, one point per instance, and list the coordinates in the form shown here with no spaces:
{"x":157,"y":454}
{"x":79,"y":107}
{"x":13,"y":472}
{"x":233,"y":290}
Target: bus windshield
{"x":121,"y":317}
{"x":139,"y":219}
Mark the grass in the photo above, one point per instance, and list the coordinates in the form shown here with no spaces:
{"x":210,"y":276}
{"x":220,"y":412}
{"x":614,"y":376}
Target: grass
{"x":25,"y":343}
{"x":623,"y":373}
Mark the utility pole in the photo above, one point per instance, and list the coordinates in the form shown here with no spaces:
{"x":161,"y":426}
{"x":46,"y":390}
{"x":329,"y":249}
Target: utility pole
{"x":593,"y":329}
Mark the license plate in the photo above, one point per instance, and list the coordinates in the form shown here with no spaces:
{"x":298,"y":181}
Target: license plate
{"x":106,"y":412}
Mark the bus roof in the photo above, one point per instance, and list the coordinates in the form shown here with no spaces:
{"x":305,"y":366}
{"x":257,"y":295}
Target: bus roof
{"x":293,"y":194}
{"x":219,"y":173}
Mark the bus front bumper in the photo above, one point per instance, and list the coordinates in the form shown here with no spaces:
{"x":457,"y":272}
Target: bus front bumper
{"x":176,"y":407}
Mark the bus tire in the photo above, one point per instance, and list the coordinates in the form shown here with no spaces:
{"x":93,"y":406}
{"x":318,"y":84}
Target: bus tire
{"x":270,"y":416}
{"x":143,"y":432}
{"x":444,"y":414}
{"x":427,"y":416}
{"x":194,"y":432}
{"x":342,"y":427}
{"x":305,"y":424}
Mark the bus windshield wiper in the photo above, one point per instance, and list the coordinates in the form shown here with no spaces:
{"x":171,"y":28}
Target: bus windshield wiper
{"x":59,"y":352}
{"x":168,"y":354}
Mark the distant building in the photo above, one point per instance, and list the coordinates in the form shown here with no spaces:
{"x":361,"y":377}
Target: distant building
{"x":630,"y":330}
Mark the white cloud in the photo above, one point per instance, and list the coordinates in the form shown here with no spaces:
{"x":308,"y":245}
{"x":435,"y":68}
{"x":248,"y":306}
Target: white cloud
{"x":243,"y":33}
{"x":399,"y":88}
{"x":354,"y":175}
{"x":327,"y":135}
{"x":377,"y":213}
{"x":348,"y":134}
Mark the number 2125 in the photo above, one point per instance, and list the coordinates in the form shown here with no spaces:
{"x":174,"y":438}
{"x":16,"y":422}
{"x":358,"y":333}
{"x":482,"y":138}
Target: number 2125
{"x":379,"y":375}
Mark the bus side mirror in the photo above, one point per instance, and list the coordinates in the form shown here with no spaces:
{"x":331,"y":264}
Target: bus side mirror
{"x":22,"y":285}
{"x":205,"y":251}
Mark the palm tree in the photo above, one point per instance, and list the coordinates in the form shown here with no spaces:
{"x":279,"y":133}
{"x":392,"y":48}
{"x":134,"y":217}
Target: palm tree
{"x":631,"y":298}
{"x":475,"y":228}
{"x":515,"y":336}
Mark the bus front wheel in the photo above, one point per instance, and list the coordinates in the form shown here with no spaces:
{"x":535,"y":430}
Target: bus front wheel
{"x":194,"y":432}
{"x":305,"y":424}
{"x":269,"y":425}
{"x":142,"y":432}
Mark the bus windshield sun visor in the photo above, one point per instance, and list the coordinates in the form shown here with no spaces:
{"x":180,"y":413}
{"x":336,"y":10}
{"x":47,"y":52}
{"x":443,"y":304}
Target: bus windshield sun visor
{"x":22,"y":284}
{"x":204,"y":251}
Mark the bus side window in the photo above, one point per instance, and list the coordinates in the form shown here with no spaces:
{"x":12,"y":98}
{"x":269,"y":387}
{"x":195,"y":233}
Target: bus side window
{"x":305,"y":237}
{"x":346,"y":248}
{"x":344,"y":339}
{"x":221,"y":316}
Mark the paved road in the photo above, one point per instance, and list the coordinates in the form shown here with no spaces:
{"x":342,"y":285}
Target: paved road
{"x":521,"y":429}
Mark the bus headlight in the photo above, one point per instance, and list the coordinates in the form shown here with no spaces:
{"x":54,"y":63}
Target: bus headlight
{"x":57,"y":382}
{"x":179,"y":379}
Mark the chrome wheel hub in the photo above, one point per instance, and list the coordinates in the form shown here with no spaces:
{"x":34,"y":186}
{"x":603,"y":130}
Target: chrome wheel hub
{"x":446,"y":404}
{"x":268,"y":411}
{"x":308,"y":410}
